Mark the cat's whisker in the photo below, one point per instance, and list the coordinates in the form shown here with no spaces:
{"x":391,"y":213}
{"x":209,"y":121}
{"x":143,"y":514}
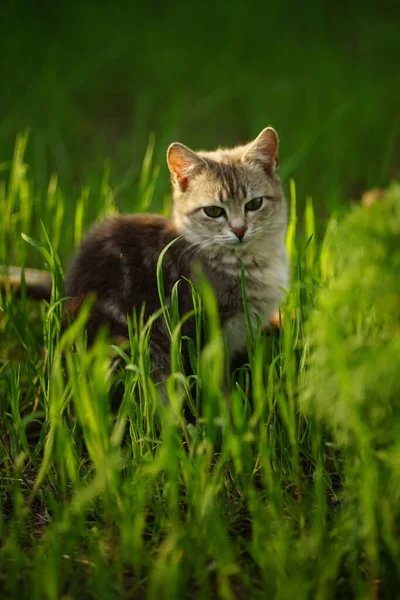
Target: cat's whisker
{"x":197,"y":247}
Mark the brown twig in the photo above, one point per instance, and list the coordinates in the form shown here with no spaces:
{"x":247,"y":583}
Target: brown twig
{"x":37,"y":281}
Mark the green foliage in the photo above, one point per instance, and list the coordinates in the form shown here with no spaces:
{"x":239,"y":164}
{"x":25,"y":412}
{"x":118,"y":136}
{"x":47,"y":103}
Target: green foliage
{"x":353,"y":381}
{"x":356,"y":343}
{"x":197,"y":496}
{"x":292,"y":489}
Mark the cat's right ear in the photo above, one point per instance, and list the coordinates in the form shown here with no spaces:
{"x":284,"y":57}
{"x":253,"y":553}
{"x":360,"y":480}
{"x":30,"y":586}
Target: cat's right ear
{"x":264,"y":150}
{"x":183,"y":164}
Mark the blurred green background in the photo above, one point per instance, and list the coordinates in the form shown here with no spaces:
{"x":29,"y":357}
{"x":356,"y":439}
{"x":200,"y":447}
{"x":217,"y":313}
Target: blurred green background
{"x":93,"y":80}
{"x":287,"y":506}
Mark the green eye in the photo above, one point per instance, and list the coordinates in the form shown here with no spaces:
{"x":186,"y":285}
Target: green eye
{"x":214,"y":211}
{"x":254,"y":204}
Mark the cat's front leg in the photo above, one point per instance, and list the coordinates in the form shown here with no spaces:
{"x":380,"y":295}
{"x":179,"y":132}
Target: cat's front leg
{"x":234,"y":330}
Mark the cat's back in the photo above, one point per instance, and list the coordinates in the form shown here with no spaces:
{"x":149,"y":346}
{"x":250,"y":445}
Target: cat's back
{"x":117,"y":252}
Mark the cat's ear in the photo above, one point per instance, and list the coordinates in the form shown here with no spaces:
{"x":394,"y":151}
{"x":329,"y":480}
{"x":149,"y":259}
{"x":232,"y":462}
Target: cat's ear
{"x":264,"y":150}
{"x":183,"y":164}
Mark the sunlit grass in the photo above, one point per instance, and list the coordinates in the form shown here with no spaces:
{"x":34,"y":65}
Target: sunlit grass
{"x":196,"y":496}
{"x":290,"y":490}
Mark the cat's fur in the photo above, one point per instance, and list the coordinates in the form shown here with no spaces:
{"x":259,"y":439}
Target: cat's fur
{"x":117,"y":260}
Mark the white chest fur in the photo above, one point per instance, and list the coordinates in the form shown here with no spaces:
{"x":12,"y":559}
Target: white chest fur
{"x":266,"y":280}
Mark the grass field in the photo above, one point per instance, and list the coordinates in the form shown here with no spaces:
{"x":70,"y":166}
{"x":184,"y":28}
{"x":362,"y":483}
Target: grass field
{"x":294,"y":493}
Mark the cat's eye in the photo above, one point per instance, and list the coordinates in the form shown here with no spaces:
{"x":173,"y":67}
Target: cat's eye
{"x":214,"y":211}
{"x":254,"y":204}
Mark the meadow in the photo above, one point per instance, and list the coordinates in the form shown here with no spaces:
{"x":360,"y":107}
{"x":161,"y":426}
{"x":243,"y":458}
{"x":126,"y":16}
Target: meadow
{"x":294,"y":492}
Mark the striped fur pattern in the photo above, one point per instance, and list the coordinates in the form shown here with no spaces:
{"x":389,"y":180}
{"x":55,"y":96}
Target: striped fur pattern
{"x":229,"y":210}
{"x":229,"y":179}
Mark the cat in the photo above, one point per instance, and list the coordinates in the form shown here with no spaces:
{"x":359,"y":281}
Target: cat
{"x":229,"y":210}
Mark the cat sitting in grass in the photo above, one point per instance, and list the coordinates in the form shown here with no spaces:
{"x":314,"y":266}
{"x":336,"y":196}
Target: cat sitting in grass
{"x":229,"y":212}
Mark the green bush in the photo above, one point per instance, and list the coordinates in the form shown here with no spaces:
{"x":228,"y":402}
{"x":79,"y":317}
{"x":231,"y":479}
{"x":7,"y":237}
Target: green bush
{"x":353,"y":381}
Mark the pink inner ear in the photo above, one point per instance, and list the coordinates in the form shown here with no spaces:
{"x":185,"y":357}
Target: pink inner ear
{"x":183,"y":183}
{"x":183,"y":164}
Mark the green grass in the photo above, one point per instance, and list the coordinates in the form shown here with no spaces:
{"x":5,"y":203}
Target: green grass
{"x":267,"y":497}
{"x":294,"y":491}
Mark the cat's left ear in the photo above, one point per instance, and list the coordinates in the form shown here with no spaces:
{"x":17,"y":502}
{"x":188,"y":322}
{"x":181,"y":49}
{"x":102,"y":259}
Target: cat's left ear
{"x":183,"y":164}
{"x":264,"y":150}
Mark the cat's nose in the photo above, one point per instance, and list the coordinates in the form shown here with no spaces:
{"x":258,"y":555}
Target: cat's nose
{"x":239,"y":232}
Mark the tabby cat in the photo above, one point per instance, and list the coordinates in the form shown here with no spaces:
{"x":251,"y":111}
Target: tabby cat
{"x":229,"y":210}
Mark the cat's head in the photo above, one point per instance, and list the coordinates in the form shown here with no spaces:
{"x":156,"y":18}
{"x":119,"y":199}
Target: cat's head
{"x":228,"y":198}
